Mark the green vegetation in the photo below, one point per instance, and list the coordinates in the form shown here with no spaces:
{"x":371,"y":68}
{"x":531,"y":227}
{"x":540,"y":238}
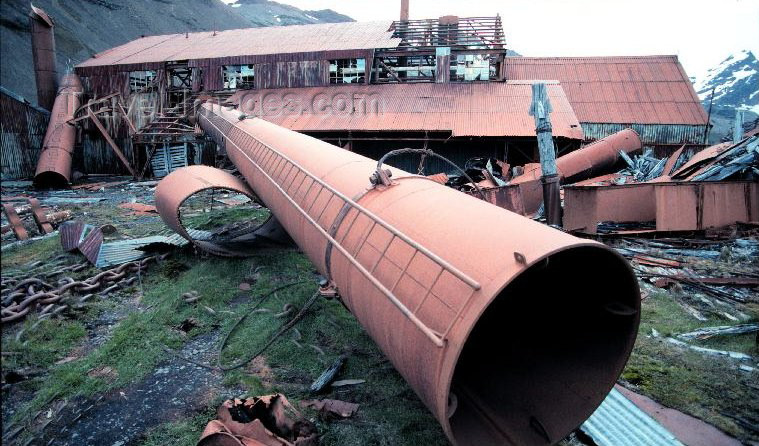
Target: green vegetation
{"x":707,"y":387}
{"x":152,"y":318}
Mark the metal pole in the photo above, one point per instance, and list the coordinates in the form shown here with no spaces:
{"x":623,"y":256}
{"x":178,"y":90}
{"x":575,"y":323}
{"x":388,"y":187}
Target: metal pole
{"x":709,"y":118}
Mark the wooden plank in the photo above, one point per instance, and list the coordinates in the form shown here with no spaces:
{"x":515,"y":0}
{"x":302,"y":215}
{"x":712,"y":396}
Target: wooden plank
{"x":110,"y":142}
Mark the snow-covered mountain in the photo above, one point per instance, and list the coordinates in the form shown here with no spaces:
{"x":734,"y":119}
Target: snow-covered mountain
{"x":735,"y":82}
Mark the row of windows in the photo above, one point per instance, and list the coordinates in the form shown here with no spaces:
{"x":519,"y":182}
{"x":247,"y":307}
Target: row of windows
{"x":469,"y":67}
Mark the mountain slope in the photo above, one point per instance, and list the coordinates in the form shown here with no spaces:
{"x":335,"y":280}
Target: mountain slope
{"x":270,"y":13}
{"x":86,"y":27}
{"x":735,"y":82}
{"x":736,"y":87}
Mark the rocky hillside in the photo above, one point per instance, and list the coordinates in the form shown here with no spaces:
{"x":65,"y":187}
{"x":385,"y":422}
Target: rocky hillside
{"x":86,"y":27}
{"x":269,"y":13}
{"x":735,"y":82}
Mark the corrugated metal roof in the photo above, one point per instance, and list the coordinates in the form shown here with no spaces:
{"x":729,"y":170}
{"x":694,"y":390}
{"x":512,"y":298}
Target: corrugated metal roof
{"x":641,"y":89}
{"x":618,"y":421}
{"x":249,"y":42}
{"x":471,"y":109}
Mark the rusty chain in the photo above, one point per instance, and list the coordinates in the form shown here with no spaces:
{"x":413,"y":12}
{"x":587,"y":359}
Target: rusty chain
{"x":20,"y":297}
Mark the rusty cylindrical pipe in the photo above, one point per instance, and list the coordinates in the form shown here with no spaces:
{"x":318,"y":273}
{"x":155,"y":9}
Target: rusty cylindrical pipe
{"x":404,"y":10}
{"x":43,"y":54}
{"x":590,"y":161}
{"x":511,"y":332}
{"x":54,"y":164}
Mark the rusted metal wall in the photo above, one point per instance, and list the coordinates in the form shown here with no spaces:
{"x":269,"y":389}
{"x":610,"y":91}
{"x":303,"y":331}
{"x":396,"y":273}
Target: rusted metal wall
{"x":96,"y":156}
{"x":650,"y":134}
{"x":675,"y":206}
{"x":22,"y":128}
{"x":292,"y":74}
{"x":103,"y":85}
{"x":701,"y":205}
{"x":586,"y":206}
{"x":271,"y":71}
{"x":43,"y":55}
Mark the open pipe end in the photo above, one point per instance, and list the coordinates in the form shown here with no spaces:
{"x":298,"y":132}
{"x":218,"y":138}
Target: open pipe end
{"x":546,"y":352}
{"x":50,"y":180}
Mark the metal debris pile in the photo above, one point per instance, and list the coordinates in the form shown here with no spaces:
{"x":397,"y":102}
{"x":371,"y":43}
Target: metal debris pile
{"x":267,"y":420}
{"x":716,"y":278}
{"x":642,"y":167}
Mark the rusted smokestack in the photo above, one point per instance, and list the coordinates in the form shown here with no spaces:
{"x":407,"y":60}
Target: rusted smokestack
{"x":590,"y":161}
{"x":404,"y":10}
{"x":54,"y":164}
{"x":511,"y":332}
{"x":43,"y":53}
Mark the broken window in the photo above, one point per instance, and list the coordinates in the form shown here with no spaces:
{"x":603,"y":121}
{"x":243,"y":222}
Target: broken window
{"x":472,"y":67}
{"x":140,"y":80}
{"x":180,"y":78}
{"x":347,"y":71}
{"x":238,"y":76}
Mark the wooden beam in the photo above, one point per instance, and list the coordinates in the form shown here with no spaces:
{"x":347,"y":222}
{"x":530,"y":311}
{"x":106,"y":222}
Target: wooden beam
{"x":126,"y":117}
{"x":111,"y":142}
{"x":390,"y":71}
{"x":540,"y":109}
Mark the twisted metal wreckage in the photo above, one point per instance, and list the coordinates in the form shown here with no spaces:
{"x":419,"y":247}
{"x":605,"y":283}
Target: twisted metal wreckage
{"x":497,"y":334}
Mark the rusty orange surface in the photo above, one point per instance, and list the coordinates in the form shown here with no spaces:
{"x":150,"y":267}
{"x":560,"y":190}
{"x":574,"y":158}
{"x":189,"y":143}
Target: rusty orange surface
{"x":589,"y":161}
{"x":478,"y":308}
{"x":54,"y":164}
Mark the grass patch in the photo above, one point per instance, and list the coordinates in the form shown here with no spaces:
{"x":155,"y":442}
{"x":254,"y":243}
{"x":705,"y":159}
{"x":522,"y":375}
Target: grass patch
{"x":39,"y":250}
{"x":178,"y":433}
{"x":223,"y":215}
{"x":135,"y":346}
{"x":706,"y":387}
{"x":41,"y":344}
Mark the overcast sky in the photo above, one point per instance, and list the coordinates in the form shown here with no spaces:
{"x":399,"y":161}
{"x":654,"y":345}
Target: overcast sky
{"x":701,"y":32}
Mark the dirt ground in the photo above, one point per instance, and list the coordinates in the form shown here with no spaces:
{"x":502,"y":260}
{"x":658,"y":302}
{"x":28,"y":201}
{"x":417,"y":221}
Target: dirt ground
{"x":137,"y":365}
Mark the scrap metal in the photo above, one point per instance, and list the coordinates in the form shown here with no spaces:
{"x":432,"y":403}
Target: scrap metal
{"x":17,"y":226}
{"x":618,"y":421}
{"x":183,"y":183}
{"x":54,"y":165}
{"x":435,"y":304}
{"x":89,"y":240}
{"x":266,"y":420}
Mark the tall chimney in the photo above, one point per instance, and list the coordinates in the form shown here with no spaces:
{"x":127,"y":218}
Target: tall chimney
{"x":43,"y":53}
{"x":404,"y":10}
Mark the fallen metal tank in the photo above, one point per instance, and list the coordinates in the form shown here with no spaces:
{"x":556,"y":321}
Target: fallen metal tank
{"x":511,"y":332}
{"x":54,"y":164}
{"x":590,"y":161}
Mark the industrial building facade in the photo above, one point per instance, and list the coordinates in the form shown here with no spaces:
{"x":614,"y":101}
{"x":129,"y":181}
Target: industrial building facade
{"x":444,"y":84}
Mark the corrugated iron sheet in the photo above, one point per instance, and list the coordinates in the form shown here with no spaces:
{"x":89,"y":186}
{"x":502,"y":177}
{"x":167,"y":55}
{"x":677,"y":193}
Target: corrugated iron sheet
{"x":471,"y":109}
{"x":642,"y":90}
{"x":248,"y":42}
{"x":22,"y":128}
{"x":620,"y":422}
{"x":650,"y":134}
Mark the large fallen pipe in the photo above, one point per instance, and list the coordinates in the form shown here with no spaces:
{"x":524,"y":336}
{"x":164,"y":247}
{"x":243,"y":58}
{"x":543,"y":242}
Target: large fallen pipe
{"x":43,"y":55}
{"x":54,"y":164}
{"x":590,"y":161}
{"x":509,"y":331}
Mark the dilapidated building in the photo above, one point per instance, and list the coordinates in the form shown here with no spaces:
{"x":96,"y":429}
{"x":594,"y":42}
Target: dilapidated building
{"x":444,"y":84}
{"x":650,"y":94}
